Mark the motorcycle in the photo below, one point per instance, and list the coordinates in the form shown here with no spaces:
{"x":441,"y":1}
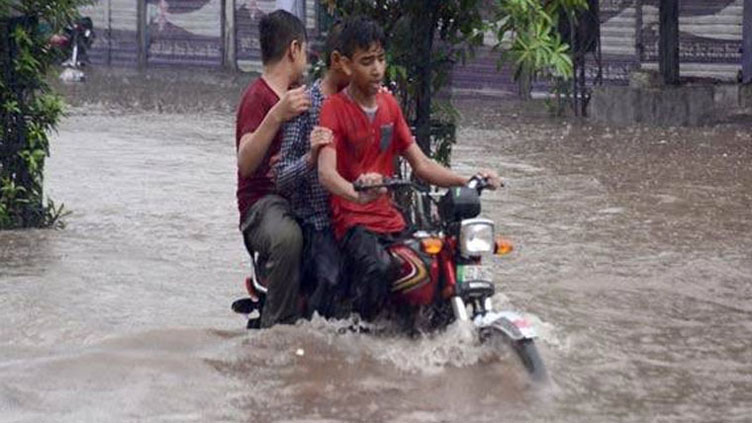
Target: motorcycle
{"x":74,"y":42}
{"x":441,"y":276}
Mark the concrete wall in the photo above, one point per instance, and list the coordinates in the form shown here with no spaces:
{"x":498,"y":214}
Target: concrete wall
{"x":745,"y":96}
{"x":647,"y":100}
{"x":666,"y":106}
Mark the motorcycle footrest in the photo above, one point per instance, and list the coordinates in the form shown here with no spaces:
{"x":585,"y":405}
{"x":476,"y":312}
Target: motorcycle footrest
{"x":245,"y":305}
{"x":476,"y":290}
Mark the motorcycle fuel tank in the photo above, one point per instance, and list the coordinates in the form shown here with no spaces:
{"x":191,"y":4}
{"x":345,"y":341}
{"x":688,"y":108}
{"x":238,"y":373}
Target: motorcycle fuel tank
{"x":418,"y":275}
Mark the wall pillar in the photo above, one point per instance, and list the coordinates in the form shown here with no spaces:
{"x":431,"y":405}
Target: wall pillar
{"x":141,"y":33}
{"x":668,"y":43}
{"x":229,"y":59}
{"x":639,"y":42}
{"x":747,"y":43}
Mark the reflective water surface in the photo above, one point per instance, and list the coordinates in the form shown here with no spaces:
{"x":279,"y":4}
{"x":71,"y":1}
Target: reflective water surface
{"x":633,"y":259}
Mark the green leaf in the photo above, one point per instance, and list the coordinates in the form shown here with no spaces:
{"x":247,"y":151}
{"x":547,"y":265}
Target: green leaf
{"x":11,"y":106}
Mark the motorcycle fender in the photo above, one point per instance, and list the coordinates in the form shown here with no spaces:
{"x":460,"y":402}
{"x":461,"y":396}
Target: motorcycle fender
{"x":512,"y":324}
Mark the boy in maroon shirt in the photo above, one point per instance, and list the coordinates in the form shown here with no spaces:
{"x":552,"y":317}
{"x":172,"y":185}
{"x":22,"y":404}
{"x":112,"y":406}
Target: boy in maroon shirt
{"x":368,"y":131}
{"x":267,"y":224}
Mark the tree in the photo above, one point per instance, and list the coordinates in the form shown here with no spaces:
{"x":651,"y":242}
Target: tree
{"x":426,"y":38}
{"x":29,"y":110}
{"x":528,"y":37}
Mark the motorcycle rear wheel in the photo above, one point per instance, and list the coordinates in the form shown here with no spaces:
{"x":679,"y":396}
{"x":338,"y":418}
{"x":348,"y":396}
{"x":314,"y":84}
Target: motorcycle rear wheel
{"x":525,"y":350}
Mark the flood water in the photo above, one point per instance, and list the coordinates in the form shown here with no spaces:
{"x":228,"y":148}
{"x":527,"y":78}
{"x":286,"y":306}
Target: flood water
{"x":633,"y":258}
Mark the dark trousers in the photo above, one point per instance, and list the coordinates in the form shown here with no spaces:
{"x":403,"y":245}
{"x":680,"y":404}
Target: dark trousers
{"x":270,"y":229}
{"x":369,"y":269}
{"x":322,"y":282}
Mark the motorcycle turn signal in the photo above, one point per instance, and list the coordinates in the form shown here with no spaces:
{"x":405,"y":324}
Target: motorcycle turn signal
{"x":431,"y":245}
{"x":502,"y":246}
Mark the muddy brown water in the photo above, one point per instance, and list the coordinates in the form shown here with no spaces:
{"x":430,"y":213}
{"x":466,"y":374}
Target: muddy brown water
{"x":633,"y":259}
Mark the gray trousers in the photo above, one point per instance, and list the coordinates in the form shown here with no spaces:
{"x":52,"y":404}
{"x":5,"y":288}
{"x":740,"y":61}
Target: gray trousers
{"x":270,"y":229}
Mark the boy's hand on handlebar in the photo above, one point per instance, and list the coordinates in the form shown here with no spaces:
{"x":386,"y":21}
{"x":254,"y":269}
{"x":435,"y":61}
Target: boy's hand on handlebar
{"x":371,"y":178}
{"x":491,"y":178}
{"x":368,"y":195}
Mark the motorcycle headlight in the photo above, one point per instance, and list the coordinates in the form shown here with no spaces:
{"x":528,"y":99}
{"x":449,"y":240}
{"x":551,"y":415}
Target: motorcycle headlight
{"x":476,"y":237}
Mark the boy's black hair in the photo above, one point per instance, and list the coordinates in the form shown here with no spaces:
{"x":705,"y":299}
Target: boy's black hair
{"x":276,"y":31}
{"x":360,"y":33}
{"x":333,"y":42}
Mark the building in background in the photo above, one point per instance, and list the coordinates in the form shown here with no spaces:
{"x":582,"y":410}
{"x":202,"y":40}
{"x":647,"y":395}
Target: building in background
{"x":296,"y":7}
{"x":224,"y":33}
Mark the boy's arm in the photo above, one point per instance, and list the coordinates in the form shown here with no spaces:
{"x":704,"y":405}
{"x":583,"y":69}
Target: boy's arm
{"x":330,"y":179}
{"x":430,"y":171}
{"x":333,"y":182}
{"x":329,"y":176}
{"x":254,"y":145}
{"x":436,"y":174}
{"x":424,"y":167}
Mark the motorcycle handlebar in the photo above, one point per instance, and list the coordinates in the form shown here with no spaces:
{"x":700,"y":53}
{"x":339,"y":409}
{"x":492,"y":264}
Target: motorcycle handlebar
{"x":388,"y":183}
{"x":477,"y":182}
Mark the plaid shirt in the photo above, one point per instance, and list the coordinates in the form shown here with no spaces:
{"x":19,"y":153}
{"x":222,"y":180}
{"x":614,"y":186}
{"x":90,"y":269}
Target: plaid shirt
{"x":295,"y":179}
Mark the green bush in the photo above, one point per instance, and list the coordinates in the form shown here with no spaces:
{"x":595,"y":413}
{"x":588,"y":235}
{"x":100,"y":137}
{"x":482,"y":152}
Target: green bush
{"x":29,"y":110}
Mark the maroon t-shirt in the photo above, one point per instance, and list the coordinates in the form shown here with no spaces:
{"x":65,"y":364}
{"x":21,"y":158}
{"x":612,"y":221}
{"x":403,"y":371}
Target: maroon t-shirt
{"x":257,"y":100}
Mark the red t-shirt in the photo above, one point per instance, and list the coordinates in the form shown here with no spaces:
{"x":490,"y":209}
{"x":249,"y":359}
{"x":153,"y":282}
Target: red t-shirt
{"x":257,"y":100}
{"x":366,"y":146}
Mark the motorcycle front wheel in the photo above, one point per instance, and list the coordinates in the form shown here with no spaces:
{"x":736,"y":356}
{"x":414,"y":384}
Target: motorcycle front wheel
{"x":525,"y":350}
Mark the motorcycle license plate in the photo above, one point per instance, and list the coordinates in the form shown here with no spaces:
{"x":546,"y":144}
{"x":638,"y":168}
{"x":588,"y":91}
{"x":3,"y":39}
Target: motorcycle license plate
{"x":474,"y":272}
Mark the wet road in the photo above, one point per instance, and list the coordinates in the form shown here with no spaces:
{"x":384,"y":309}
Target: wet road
{"x":633,"y":258}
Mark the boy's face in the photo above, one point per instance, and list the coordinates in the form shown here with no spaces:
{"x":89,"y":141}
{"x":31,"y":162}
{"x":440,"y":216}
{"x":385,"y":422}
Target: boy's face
{"x":366,"y":68}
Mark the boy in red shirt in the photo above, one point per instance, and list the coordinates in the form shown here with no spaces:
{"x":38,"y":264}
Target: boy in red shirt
{"x":267,"y":224}
{"x":368,"y":131}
